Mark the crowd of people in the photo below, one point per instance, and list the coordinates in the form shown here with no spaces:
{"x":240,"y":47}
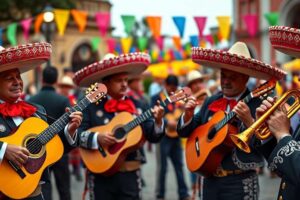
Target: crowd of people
{"x":227,"y":173}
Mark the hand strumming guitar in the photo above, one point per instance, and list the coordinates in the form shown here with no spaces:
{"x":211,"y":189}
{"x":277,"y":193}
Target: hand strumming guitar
{"x":106,"y":139}
{"x":16,"y":154}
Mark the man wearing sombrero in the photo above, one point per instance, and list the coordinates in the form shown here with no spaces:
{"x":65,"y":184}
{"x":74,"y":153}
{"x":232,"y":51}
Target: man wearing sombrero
{"x":236,"y":177}
{"x":283,"y":155}
{"x":114,"y":72}
{"x":13,"y":111}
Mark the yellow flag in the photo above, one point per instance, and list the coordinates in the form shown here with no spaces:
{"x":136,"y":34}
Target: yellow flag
{"x":80,"y":18}
{"x":224,"y":26}
{"x":126,"y":44}
{"x":61,"y":19}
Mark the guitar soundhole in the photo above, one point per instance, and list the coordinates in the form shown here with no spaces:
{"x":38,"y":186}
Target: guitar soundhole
{"x":34,"y":146}
{"x":212,"y":133}
{"x":119,"y":133}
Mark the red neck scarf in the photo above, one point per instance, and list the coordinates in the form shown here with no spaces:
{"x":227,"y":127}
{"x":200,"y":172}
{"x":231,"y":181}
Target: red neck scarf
{"x":221,"y":104}
{"x":19,"y":109}
{"x":113,"y":105}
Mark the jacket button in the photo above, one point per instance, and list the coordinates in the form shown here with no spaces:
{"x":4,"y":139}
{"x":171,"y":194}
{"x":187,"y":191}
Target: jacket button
{"x":283,"y":186}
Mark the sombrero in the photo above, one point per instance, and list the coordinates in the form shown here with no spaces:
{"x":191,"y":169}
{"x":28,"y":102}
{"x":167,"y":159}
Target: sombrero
{"x":132,"y":63}
{"x":285,"y":39}
{"x":194,"y":75}
{"x":238,"y":59}
{"x":66,"y":81}
{"x":24,"y":57}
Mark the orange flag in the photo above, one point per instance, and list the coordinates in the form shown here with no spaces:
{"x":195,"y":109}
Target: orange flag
{"x":38,"y":22}
{"x":154,"y":24}
{"x":177,"y":42}
{"x":80,"y":18}
{"x":61,"y":19}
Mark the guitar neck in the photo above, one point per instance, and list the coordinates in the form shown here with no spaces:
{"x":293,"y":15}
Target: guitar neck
{"x":59,"y":124}
{"x":143,"y":117}
{"x":231,"y":114}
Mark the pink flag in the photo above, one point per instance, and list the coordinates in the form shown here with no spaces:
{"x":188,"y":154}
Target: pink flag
{"x":160,"y":42}
{"x":209,"y":38}
{"x":26,"y":23}
{"x":200,"y":21}
{"x":103,"y":22}
{"x":251,"y":24}
{"x":111,"y":44}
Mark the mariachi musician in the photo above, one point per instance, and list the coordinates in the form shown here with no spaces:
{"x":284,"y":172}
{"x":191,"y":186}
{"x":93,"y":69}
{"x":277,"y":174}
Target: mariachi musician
{"x":236,"y":176}
{"x":283,"y":150}
{"x":114,"y":72}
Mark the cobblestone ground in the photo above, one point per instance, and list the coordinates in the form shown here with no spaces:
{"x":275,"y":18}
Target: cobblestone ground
{"x":268,"y":186}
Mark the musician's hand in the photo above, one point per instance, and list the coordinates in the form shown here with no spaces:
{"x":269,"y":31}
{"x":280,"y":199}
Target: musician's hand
{"x":16,"y":154}
{"x":172,"y":124}
{"x":75,"y":121}
{"x":158,"y":113}
{"x":266,"y":105}
{"x":279,"y":123}
{"x":243,"y":113}
{"x":189,"y":108}
{"x":106,"y":139}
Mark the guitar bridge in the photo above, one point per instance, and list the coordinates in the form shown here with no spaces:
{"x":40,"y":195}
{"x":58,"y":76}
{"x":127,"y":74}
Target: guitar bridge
{"x":197,"y":147}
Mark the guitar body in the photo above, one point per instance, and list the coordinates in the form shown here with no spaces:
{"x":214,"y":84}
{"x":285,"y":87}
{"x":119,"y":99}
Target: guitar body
{"x":203,"y":153}
{"x":11,"y":184}
{"x":173,"y":116}
{"x":115,"y":154}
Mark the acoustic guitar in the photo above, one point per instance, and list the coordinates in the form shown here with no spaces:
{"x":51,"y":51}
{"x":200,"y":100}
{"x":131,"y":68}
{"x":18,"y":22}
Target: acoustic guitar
{"x":210,"y":142}
{"x":44,"y":145}
{"x":126,"y":129}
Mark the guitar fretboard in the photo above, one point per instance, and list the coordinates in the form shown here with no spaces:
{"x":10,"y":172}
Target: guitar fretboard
{"x":231,"y":114}
{"x":60,"y":124}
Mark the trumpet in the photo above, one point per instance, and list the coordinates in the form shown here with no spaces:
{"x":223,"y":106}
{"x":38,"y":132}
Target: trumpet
{"x":260,"y":128}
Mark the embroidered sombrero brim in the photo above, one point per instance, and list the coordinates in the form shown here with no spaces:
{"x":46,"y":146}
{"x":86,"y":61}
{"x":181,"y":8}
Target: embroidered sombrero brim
{"x":234,"y":62}
{"x":24,"y":57}
{"x":132,"y":63}
{"x":285,"y":39}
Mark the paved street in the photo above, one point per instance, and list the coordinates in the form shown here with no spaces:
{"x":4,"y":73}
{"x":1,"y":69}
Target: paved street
{"x":268,"y":186}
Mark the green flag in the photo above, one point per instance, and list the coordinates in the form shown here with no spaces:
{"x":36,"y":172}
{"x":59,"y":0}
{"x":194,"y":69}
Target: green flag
{"x":11,"y":34}
{"x":95,"y":43}
{"x":272,"y":18}
{"x":142,"y":43}
{"x":128,"y":21}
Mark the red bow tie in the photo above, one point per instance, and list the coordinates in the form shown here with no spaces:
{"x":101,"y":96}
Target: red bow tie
{"x":19,"y":109}
{"x":113,"y":105}
{"x":221,"y":104}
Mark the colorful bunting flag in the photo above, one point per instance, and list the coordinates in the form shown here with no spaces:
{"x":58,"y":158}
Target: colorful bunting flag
{"x":38,"y":22}
{"x":126,"y":44}
{"x":61,"y":19}
{"x":26,"y":23}
{"x":154,"y":24}
{"x":160,"y":42}
{"x":272,"y":18}
{"x":177,"y":42}
{"x":95,"y":43}
{"x":128,"y":21}
{"x":180,"y":24}
{"x":142,"y":43}
{"x":224,"y":26}
{"x":200,"y":21}
{"x":11,"y":33}
{"x":194,"y":40}
{"x":251,"y":22}
{"x":111,"y":44}
{"x":1,"y":33}
{"x":103,"y":21}
{"x":80,"y":18}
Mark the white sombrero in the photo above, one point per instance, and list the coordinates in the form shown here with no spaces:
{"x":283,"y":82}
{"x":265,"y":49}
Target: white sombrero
{"x":132,"y":63}
{"x":238,"y":59}
{"x":24,"y":57}
{"x":285,"y":39}
{"x":66,"y":81}
{"x":194,"y":75}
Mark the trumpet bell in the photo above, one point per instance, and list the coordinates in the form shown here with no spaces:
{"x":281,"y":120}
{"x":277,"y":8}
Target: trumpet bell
{"x":241,"y":141}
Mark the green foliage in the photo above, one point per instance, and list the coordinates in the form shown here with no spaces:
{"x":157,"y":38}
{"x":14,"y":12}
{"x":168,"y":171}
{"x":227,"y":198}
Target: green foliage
{"x":15,"y":10}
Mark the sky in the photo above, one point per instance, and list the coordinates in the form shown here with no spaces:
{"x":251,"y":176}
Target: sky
{"x":169,"y":8}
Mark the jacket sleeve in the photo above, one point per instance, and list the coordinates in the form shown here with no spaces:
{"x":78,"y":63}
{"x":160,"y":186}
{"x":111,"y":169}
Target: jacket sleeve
{"x":285,"y":159}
